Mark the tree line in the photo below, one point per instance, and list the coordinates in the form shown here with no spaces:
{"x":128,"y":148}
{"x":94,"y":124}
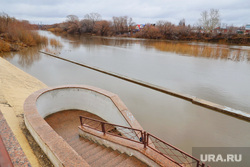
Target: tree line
{"x":93,"y":24}
{"x":124,"y":26}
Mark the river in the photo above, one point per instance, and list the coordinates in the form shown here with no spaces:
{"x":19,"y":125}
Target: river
{"x":214,"y":72}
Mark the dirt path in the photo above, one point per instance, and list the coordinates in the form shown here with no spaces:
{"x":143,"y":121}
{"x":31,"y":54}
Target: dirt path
{"x":15,"y":87}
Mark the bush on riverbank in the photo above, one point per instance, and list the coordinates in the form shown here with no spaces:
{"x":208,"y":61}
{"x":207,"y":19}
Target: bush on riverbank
{"x":15,"y":34}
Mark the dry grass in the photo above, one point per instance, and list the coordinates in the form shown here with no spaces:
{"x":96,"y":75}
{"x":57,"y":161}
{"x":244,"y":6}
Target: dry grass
{"x":55,"y":43}
{"x":4,"y":46}
{"x":57,"y":29}
{"x":15,"y":32}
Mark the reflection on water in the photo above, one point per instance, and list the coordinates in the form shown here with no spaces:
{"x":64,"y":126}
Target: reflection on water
{"x":26,"y":57}
{"x":215,"y":52}
{"x":77,"y":41}
{"x":206,"y":50}
{"x":55,"y":43}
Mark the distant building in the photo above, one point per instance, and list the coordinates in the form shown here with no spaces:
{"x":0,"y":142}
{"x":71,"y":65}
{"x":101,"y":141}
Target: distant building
{"x":139,"y":26}
{"x":222,"y":30}
{"x":247,"y":29}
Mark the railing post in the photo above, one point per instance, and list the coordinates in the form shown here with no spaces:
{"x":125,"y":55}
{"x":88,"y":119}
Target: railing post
{"x":81,"y":120}
{"x":145,"y":139}
{"x":197,"y":163}
{"x":103,"y":128}
{"x":202,"y":165}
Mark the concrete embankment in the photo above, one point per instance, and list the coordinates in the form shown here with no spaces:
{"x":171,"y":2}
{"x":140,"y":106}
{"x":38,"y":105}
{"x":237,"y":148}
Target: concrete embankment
{"x":15,"y":87}
{"x":207,"y":104}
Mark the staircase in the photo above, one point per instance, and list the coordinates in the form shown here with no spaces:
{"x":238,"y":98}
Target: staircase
{"x":97,"y":155}
{"x":65,"y":123}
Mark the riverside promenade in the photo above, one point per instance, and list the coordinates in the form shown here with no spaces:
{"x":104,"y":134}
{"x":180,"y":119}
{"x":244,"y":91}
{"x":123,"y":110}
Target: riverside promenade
{"x":15,"y":87}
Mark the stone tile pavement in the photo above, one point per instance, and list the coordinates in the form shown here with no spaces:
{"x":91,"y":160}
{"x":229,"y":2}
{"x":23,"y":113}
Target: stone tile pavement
{"x":15,"y":151}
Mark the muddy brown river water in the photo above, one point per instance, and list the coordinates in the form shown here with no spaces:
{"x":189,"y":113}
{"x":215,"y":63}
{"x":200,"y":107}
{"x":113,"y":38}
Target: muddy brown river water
{"x":214,"y":72}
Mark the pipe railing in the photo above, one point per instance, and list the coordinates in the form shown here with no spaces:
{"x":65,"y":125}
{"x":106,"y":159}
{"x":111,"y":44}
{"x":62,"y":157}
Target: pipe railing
{"x":171,"y":152}
{"x":132,"y":134}
{"x":150,"y":141}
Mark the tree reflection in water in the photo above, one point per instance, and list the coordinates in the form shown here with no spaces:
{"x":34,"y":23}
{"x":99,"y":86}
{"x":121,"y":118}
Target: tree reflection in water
{"x":213,"y":51}
{"x":207,"y":50}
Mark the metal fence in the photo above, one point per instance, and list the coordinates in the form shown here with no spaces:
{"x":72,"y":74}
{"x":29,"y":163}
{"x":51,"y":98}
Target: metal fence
{"x":132,"y":134}
{"x":172,"y":153}
{"x":149,"y":141}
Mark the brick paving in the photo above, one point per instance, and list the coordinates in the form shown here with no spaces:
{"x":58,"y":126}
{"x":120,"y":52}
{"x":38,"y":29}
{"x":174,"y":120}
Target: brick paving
{"x":17,"y":156}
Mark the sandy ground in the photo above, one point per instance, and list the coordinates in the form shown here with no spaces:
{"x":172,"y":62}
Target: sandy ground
{"x":15,"y":87}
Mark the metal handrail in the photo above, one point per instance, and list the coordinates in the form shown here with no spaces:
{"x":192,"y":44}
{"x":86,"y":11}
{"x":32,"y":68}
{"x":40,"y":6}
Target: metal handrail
{"x":173,"y":148}
{"x":144,"y":138}
{"x":128,"y":133}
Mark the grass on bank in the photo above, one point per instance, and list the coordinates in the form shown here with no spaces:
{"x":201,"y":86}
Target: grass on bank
{"x":15,"y":34}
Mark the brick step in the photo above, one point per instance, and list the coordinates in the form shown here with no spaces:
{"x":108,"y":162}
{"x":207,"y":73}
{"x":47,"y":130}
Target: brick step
{"x":71,"y":133}
{"x":99,"y":154}
{"x":116,"y":160}
{"x":81,"y":145}
{"x":93,"y":151}
{"x":131,"y":162}
{"x":76,"y":139}
{"x":104,"y":159}
{"x":84,"y":149}
{"x":66,"y":133}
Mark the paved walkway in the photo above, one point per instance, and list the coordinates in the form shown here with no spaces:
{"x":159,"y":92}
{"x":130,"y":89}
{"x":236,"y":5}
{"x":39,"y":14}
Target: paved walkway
{"x":17,"y":156}
{"x":15,"y":87}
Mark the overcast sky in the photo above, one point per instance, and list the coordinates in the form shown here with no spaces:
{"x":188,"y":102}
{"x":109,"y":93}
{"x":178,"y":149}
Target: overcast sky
{"x":236,"y":12}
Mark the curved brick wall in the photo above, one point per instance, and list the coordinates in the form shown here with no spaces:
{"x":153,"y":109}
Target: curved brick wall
{"x":50,"y":100}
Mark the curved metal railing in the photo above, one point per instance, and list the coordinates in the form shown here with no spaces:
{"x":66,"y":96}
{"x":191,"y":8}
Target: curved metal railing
{"x":149,"y":141}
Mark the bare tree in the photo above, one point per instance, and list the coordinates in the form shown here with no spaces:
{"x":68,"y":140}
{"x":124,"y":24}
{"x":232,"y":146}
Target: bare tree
{"x":131,"y":24}
{"x":204,"y":20}
{"x":214,"y":18}
{"x":182,"y":22}
{"x":94,"y":17}
{"x":102,"y":27}
{"x":73,"y":24}
{"x":86,"y":26}
{"x":122,"y":24}
{"x":166,"y":28}
{"x":88,"y":23}
{"x":72,"y":18}
{"x":210,"y":20}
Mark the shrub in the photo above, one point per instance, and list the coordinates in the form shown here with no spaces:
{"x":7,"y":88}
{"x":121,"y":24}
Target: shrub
{"x":15,"y":32}
{"x":4,"y":46}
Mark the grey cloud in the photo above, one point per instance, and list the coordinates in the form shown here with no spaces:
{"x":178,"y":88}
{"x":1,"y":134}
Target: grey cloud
{"x":235,"y":12}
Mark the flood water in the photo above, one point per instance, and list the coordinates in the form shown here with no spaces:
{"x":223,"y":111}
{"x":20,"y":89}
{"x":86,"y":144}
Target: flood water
{"x":214,"y":72}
